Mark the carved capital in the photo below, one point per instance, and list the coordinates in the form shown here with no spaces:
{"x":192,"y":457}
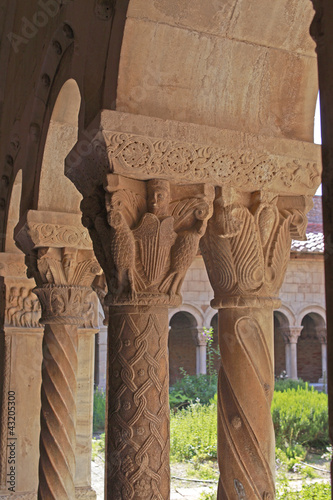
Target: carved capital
{"x":200,"y":337}
{"x":290,"y":334}
{"x":247,"y":244}
{"x":63,"y":304}
{"x":145,"y":235}
{"x":321,"y":333}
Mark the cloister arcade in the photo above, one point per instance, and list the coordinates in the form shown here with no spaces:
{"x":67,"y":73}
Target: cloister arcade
{"x":133,"y":133}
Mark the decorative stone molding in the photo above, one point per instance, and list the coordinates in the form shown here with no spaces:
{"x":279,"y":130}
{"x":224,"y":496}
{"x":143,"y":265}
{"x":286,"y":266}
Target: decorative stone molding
{"x":247,"y":244}
{"x":145,"y":236}
{"x":22,"y":308}
{"x":203,"y":155}
{"x":321,"y":333}
{"x":51,"y":229}
{"x":200,"y":337}
{"x":12,"y":265}
{"x":290,"y":334}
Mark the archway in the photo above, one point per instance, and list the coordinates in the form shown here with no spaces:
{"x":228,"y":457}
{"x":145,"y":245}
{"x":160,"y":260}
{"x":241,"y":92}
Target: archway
{"x":182,"y":345}
{"x":309,"y":349}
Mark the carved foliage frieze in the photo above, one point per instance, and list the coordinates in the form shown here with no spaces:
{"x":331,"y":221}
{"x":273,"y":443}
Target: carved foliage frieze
{"x":146,"y":157}
{"x":247,"y":244}
{"x":56,"y":235}
{"x":145,"y":235}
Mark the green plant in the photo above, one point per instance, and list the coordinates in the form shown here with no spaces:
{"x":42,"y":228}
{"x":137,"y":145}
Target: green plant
{"x":211,"y":495}
{"x":99,"y":411}
{"x":98,"y":446}
{"x":314,"y":491}
{"x":300,"y":417}
{"x":194,"y":433}
{"x":211,"y":372}
{"x":283,"y":384}
{"x":290,"y":456}
{"x":192,"y":388}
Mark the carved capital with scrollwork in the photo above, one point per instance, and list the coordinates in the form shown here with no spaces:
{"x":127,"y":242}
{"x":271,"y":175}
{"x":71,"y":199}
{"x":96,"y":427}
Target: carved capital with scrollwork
{"x":290,"y":334}
{"x":145,"y":235}
{"x":64,"y":277}
{"x":247,"y":245}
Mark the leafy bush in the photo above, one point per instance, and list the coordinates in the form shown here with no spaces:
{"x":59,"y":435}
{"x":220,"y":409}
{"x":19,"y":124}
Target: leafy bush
{"x":99,"y":411}
{"x":193,"y":388}
{"x":314,"y":491}
{"x":194,"y":432}
{"x":282,"y":385}
{"x":300,"y":417}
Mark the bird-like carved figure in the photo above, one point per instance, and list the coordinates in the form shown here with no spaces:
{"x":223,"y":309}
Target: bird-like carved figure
{"x":123,"y":254}
{"x":183,"y":252}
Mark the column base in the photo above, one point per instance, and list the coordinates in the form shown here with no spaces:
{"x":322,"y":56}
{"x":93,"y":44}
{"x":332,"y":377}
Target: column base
{"x":32,"y":495}
{"x":85,"y":493}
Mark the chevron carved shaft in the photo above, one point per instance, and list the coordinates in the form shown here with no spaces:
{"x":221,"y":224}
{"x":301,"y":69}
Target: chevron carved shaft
{"x":138,"y":405}
{"x":246,"y":383}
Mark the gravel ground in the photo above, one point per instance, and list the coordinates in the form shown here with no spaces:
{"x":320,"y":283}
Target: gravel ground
{"x":180,"y":490}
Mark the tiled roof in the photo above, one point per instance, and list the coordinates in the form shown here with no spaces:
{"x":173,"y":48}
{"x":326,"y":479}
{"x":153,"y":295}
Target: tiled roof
{"x":314,"y":244}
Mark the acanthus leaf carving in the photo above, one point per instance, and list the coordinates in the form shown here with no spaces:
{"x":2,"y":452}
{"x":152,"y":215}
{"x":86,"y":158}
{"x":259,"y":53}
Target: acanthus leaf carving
{"x":247,"y":244}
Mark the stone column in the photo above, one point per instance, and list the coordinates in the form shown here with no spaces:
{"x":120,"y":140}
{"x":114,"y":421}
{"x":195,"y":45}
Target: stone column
{"x":145,"y":235}
{"x":322,"y":336}
{"x":20,"y":339}
{"x":290,"y":336}
{"x":61,"y":276}
{"x":201,"y":352}
{"x":63,"y":266}
{"x":246,"y":251}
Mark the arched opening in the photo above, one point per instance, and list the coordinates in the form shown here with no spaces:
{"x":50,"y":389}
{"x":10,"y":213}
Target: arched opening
{"x":182,"y":345}
{"x":56,"y":192}
{"x":14,"y":214}
{"x":280,"y":321}
{"x":309,"y":362}
{"x":215,"y":343}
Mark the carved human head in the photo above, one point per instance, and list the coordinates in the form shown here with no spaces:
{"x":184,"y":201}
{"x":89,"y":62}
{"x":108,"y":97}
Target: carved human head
{"x":158,"y":199}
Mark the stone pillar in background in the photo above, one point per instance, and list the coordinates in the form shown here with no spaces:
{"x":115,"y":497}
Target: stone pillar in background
{"x":322,"y":336}
{"x":63,"y":275}
{"x":290,"y":336}
{"x":22,"y":339}
{"x":246,"y":251}
{"x":145,"y":236}
{"x":201,"y":352}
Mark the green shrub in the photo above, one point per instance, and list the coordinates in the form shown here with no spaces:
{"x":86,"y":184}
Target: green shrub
{"x":99,"y":411}
{"x":194,"y":433}
{"x":192,"y":388}
{"x":300,"y":417}
{"x":282,"y":385}
{"x":314,"y":491}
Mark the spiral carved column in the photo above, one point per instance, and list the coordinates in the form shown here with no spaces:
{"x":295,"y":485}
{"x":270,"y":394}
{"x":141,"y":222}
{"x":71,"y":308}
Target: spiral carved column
{"x":138,"y":406}
{"x":245,"y":390}
{"x":62,"y":312}
{"x":246,"y":250}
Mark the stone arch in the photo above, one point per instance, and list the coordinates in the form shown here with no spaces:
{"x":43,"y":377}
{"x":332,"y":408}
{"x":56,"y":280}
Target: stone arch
{"x":190,"y":309}
{"x":285,"y":315}
{"x":61,"y":136}
{"x":309,"y":363}
{"x":156,"y":80}
{"x":208,"y":316}
{"x":313,"y":309}
{"x":13,"y":214}
{"x":182,"y":344}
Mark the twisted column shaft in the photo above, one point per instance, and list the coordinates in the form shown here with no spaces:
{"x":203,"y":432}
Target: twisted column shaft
{"x":246,"y":442}
{"x":58,"y":413}
{"x":137,"y":447}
